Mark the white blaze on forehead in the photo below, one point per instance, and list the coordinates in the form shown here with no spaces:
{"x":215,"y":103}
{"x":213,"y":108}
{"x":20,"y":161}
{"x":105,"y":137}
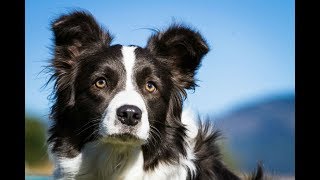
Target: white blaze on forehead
{"x":128,"y":96}
{"x":129,"y":59}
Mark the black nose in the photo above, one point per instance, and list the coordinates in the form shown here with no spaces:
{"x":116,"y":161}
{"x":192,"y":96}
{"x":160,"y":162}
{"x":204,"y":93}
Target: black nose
{"x":129,"y":115}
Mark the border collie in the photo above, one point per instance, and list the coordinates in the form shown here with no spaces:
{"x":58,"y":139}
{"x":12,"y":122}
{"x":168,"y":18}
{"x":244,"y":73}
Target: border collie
{"x":118,"y":110}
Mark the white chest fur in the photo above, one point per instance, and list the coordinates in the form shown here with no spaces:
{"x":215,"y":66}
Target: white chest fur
{"x":99,"y":161}
{"x":104,"y":161}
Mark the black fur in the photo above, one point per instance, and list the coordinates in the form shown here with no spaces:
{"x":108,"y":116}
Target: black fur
{"x":77,"y":38}
{"x":209,"y":158}
{"x":83,"y":53}
{"x":181,"y":49}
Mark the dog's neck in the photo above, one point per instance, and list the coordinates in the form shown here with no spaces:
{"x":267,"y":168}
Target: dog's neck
{"x":119,"y":161}
{"x":103,"y":161}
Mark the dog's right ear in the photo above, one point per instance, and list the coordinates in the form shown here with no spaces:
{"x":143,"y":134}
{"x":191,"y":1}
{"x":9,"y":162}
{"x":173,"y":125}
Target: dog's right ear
{"x":74,"y":32}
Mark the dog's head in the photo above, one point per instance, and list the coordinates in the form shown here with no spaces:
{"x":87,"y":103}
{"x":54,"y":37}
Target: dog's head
{"x":120,"y":94}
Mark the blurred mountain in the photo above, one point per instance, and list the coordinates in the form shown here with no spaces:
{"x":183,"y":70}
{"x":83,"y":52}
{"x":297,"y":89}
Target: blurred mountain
{"x":262,"y":131}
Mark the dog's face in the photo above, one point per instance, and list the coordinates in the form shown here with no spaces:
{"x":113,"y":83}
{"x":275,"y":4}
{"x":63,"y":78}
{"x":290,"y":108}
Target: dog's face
{"x":120,"y":94}
{"x":123,"y":91}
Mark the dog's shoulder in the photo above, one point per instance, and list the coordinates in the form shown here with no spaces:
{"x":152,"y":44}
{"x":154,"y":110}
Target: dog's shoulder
{"x":203,"y":139}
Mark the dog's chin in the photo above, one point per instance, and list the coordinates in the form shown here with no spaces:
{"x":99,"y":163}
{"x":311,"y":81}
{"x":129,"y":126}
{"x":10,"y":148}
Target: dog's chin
{"x":125,"y":139}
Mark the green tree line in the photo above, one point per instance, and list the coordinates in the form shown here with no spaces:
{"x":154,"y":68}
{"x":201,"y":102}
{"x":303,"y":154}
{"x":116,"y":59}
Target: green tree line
{"x":35,"y":142}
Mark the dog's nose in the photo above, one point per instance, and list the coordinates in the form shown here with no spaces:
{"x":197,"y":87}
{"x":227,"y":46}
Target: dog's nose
{"x":129,"y":115}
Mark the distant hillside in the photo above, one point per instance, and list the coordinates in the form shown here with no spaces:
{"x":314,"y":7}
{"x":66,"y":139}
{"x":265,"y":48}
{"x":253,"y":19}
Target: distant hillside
{"x":264,"y":131}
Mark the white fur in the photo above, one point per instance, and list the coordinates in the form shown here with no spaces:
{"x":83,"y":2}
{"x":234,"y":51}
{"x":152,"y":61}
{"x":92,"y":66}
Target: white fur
{"x":129,"y":58}
{"x":100,"y":160}
{"x":167,"y":172}
{"x":113,"y":161}
{"x":111,"y":124}
{"x":64,"y":168}
{"x":188,"y":118}
{"x":129,"y":96}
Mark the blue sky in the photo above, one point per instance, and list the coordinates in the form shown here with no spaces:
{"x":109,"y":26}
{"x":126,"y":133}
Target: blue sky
{"x":252,"y":45}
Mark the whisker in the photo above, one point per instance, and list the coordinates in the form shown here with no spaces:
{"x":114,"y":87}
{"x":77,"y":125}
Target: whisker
{"x":88,"y":127}
{"x":155,"y":132}
{"x":154,"y":128}
{"x":166,"y":125}
{"x":92,"y":121}
{"x":93,"y":133}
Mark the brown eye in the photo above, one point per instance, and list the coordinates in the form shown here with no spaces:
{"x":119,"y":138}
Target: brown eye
{"x":150,"y":87}
{"x":101,"y":83}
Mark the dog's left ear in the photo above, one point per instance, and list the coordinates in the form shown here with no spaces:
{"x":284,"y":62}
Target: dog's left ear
{"x":181,"y":49}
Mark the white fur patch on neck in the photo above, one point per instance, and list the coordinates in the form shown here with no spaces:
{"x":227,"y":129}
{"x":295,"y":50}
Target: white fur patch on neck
{"x":188,"y":118}
{"x":129,"y":59}
{"x":109,"y":161}
{"x":101,"y":161}
{"x":64,"y":168}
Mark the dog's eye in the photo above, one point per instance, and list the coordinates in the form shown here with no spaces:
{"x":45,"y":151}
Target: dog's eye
{"x":101,"y":83}
{"x":150,"y":87}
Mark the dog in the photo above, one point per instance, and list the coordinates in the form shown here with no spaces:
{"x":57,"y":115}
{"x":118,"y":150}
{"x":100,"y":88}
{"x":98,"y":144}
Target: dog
{"x":118,"y":110}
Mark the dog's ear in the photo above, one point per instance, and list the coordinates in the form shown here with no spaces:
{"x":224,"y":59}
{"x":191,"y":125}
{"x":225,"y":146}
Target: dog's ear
{"x":181,"y":49}
{"x":74,"y":34}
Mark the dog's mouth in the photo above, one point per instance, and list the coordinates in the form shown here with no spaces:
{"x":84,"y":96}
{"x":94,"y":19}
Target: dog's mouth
{"x":123,"y":139}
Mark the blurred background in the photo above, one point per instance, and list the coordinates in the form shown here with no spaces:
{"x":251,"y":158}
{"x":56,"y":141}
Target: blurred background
{"x":246,"y":82}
